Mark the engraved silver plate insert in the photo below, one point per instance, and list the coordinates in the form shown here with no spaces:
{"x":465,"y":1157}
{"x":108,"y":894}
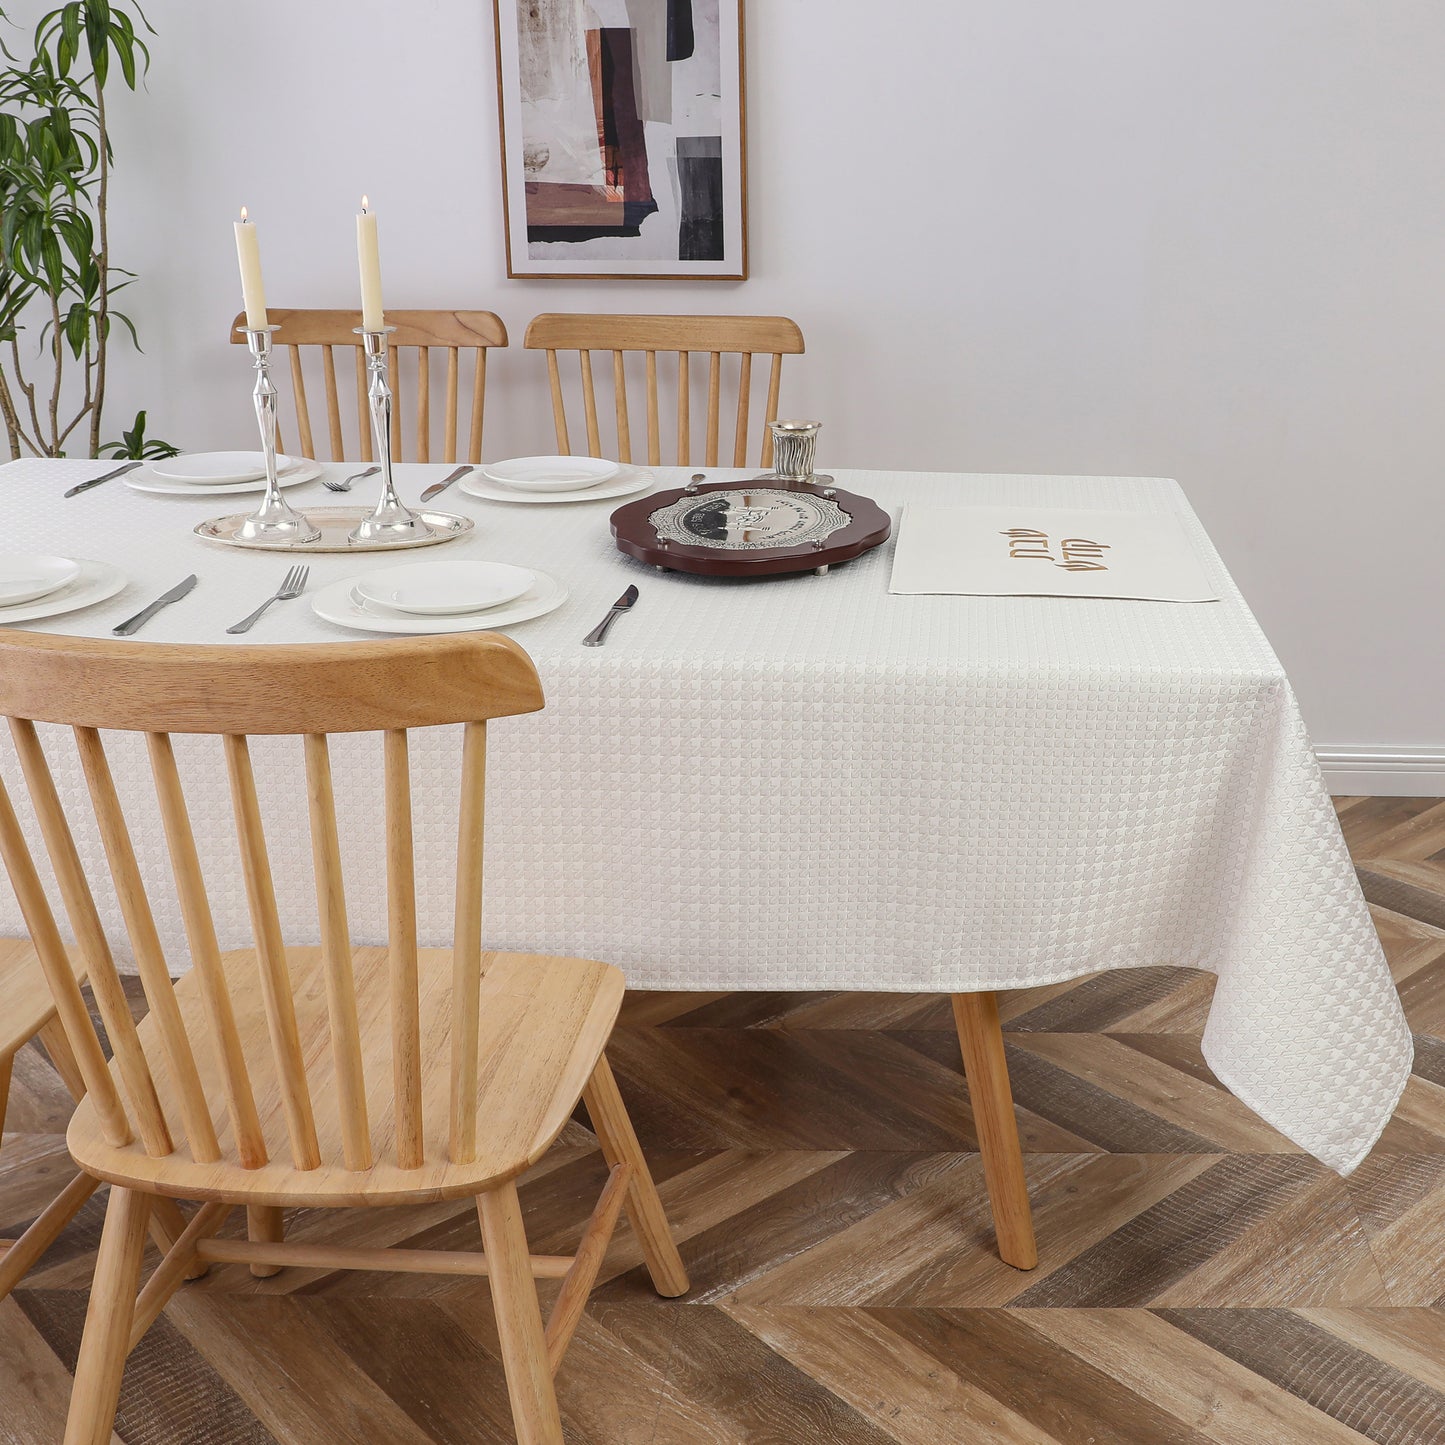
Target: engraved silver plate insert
{"x":743,"y":521}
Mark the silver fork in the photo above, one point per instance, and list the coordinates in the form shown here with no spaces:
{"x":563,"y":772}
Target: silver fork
{"x":344,"y":485}
{"x":292,"y":585}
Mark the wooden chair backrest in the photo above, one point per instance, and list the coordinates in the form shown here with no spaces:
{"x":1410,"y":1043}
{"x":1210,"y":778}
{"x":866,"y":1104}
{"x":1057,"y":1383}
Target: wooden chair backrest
{"x":235,"y":692}
{"x":464,"y":337}
{"x":717,"y":336}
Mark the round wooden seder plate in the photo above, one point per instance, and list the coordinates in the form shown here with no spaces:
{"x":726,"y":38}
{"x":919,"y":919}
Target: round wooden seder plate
{"x":757,"y":528}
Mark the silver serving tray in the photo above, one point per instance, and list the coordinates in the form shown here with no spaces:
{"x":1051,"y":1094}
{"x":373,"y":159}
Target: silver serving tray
{"x":336,"y":525}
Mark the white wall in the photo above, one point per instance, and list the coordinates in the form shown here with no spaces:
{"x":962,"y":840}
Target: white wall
{"x":1201,"y":240}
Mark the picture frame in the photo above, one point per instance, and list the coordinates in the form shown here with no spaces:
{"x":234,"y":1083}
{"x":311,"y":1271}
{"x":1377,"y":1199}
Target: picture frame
{"x":624,"y":149}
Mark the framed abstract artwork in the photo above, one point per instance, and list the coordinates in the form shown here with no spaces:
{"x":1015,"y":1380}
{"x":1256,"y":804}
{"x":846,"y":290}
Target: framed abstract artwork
{"x":623,"y":138}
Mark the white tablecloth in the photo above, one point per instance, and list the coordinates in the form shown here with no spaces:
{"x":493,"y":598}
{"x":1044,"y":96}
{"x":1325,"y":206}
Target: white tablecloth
{"x":807,"y":783}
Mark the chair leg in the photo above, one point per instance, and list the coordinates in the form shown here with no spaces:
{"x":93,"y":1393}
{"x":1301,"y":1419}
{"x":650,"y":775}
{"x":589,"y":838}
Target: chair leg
{"x":7,"y":1065}
{"x":265,"y":1224}
{"x":62,"y":1056}
{"x":613,"y":1128}
{"x":981,"y":1041}
{"x":108,"y":1320}
{"x":167,"y":1223}
{"x":519,"y":1318}
{"x":23,"y":1253}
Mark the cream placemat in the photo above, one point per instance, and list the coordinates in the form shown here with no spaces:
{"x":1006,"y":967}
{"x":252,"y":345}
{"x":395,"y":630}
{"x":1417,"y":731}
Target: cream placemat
{"x":1047,"y":552}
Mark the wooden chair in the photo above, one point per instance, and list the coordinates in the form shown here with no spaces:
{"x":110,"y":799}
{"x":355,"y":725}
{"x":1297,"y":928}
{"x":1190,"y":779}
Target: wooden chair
{"x":27,"y":1011}
{"x":457,"y":333}
{"x":315,"y":1077}
{"x":717,"y":336}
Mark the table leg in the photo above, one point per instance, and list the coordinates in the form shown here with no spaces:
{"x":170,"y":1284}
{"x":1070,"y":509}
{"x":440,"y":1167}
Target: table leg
{"x":981,"y":1041}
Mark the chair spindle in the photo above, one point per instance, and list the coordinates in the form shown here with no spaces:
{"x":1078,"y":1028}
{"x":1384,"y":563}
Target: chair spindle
{"x":714,"y":407}
{"x":275,"y":975}
{"x":402,"y":953}
{"x":105,"y":984}
{"x":559,"y":416}
{"x":479,"y":401}
{"x":745,"y":387}
{"x":363,"y":411}
{"x":619,"y":395}
{"x":654,"y":436}
{"x":684,"y":405}
{"x":775,"y":381}
{"x":200,"y":929}
{"x":393,"y":380}
{"x":449,"y":418}
{"x":64,"y":987}
{"x":467,"y":946}
{"x":146,"y":945}
{"x":333,"y":403}
{"x":589,"y":405}
{"x":423,"y":404}
{"x":336,"y":957}
{"x":303,"y":413}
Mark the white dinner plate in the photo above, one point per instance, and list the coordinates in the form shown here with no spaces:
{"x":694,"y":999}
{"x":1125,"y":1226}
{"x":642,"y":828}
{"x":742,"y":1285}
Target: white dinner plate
{"x":95,"y":582}
{"x":340,"y":603}
{"x":444,"y":589}
{"x":628,"y":480}
{"x":24,"y":577}
{"x":215,"y":469}
{"x":302,"y":470}
{"x":551,"y":474}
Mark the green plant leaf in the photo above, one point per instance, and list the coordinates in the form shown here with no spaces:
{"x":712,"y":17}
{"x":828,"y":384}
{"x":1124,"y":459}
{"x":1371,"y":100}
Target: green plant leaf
{"x":77,"y":328}
{"x":125,"y":53}
{"x":135,"y":446}
{"x":69,"y":46}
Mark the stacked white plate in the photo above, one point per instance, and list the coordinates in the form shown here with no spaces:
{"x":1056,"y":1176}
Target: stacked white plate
{"x":445,"y":596}
{"x":221,"y":473}
{"x":556,"y":479}
{"x":34,"y":586}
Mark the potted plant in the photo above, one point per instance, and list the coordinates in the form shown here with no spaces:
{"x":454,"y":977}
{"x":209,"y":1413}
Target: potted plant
{"x":57,"y":279}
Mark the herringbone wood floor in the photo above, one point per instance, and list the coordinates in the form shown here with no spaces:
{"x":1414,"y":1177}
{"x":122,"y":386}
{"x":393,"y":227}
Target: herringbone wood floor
{"x":1200,"y":1280}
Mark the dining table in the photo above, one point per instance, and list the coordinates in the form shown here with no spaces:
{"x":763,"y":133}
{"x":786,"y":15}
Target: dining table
{"x":807,"y":782}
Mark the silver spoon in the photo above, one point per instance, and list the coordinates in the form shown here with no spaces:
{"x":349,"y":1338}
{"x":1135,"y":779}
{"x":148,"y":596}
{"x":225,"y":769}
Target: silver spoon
{"x":344,"y":485}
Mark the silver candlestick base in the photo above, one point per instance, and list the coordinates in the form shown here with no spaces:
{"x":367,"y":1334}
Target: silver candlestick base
{"x":392,"y":521}
{"x":275,"y":520}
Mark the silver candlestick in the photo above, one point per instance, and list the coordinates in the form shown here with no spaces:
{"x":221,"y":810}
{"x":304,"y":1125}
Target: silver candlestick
{"x":275,"y":520}
{"x":392,"y":520}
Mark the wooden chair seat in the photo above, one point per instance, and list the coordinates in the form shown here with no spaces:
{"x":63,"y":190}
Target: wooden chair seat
{"x":543,"y":1024}
{"x":25,"y":1002}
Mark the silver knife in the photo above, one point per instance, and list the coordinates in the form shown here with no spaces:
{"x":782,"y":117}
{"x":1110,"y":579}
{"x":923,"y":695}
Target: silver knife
{"x":437,"y":488}
{"x":598,"y":633}
{"x":134,"y":624}
{"x":108,"y":477}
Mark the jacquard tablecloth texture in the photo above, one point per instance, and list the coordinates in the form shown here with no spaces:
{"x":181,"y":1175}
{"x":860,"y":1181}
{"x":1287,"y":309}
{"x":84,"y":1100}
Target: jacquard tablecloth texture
{"x":807,"y":783}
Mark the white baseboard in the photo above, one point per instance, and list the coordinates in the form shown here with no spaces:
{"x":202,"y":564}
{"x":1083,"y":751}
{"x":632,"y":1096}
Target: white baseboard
{"x":1384,"y":772}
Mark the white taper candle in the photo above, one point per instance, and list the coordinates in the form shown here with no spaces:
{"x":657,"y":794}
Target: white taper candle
{"x":253,"y":288}
{"x":368,"y":254}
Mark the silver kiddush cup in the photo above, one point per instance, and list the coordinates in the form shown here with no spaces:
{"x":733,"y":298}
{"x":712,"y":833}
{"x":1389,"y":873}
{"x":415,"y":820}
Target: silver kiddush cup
{"x":794,"y":446}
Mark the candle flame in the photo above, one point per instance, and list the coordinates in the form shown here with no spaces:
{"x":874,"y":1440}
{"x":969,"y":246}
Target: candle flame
{"x":243,"y":213}
{"x":365,"y":205}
